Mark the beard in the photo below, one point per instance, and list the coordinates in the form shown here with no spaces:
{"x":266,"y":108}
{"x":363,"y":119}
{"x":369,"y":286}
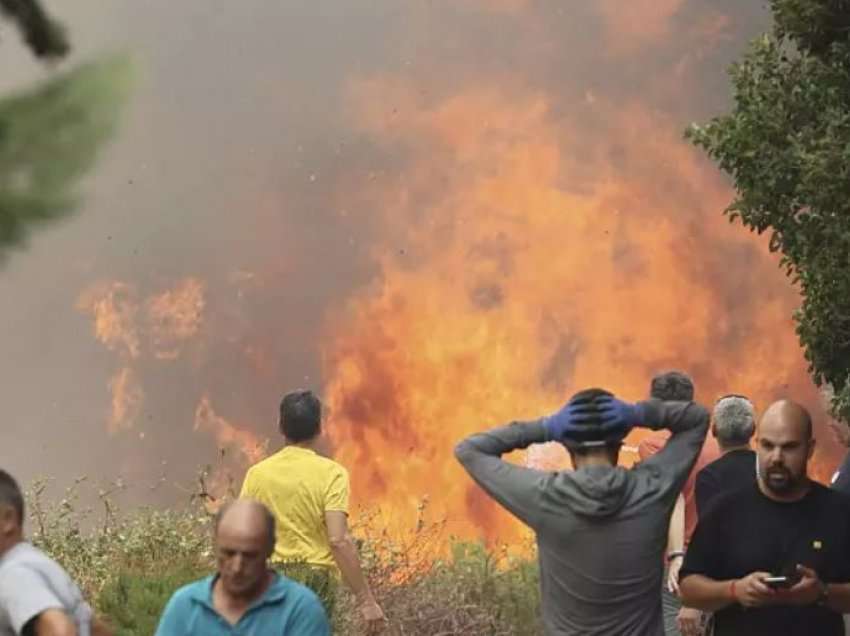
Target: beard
{"x":780,"y":480}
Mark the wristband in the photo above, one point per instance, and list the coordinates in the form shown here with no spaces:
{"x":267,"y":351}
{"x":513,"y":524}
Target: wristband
{"x":732,"y":591}
{"x":675,"y":555}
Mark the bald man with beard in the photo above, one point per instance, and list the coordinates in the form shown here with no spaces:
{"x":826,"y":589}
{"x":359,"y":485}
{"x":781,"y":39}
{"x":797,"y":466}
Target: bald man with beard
{"x":774,"y":558}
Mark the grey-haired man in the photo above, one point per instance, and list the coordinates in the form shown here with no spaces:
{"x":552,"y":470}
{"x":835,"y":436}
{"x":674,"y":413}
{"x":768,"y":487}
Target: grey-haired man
{"x":733,"y":424}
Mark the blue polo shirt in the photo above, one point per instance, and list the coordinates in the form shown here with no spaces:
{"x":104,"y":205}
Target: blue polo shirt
{"x":286,"y":609}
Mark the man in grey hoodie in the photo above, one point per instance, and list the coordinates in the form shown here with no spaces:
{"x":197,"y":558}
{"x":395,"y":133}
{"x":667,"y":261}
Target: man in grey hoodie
{"x":601,"y":529}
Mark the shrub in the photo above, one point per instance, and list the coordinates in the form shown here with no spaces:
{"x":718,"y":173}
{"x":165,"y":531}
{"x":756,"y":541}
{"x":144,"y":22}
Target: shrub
{"x":133,"y":603}
{"x":131,"y":563}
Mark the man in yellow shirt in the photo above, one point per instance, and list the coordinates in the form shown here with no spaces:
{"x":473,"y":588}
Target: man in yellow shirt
{"x":308,"y":495}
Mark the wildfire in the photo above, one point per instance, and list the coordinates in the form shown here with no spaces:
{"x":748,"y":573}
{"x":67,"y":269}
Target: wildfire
{"x":134,"y":328}
{"x":174,"y":316}
{"x":530,"y":240}
{"x":250,"y":447}
{"x":127,"y":398}
{"x":114,"y":309}
{"x":221,"y":482}
{"x":509,"y":279}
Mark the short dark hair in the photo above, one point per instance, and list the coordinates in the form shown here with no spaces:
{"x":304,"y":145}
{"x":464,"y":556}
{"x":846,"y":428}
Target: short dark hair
{"x":300,"y":416}
{"x":11,"y":495}
{"x":672,"y":386}
{"x":589,"y":395}
{"x":591,"y":436}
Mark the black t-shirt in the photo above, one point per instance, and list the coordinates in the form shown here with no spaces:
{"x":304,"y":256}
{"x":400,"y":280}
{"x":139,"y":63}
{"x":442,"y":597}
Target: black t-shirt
{"x":744,"y":532}
{"x":735,"y":469}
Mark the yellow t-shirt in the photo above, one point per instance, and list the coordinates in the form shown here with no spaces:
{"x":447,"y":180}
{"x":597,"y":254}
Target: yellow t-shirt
{"x":299,"y":486}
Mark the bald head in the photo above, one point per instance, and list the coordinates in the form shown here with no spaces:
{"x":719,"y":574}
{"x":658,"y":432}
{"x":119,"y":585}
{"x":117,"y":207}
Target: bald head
{"x":787,"y":417}
{"x":244,"y":541}
{"x":246,"y":518}
{"x":783,"y":450}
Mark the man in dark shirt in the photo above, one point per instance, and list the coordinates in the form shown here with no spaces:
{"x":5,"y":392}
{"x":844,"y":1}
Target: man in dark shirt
{"x":732,"y":424}
{"x":785,"y":525}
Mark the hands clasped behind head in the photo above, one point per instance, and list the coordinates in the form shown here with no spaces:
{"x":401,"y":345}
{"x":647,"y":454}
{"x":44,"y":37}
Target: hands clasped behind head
{"x":592,"y":417}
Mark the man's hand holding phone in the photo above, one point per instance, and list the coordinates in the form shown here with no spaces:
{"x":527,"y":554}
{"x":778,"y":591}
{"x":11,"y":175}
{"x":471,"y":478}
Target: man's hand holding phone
{"x":806,"y":590}
{"x":779,"y":582}
{"x":752,"y":591}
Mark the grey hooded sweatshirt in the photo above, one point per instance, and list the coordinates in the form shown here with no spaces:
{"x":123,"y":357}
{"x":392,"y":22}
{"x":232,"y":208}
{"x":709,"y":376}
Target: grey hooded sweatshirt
{"x":601,"y":530}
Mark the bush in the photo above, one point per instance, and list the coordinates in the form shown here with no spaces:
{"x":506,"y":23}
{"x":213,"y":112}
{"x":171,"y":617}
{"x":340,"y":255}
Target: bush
{"x":133,"y":603}
{"x":130,"y":564}
{"x":95,"y":550}
{"x":473,"y":591}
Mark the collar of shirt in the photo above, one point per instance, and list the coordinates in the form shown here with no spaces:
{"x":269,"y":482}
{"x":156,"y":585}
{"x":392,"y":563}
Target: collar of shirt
{"x":297,"y":450}
{"x":276,"y":593}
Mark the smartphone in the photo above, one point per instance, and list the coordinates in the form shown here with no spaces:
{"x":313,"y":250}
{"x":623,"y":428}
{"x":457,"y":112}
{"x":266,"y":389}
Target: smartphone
{"x":778,"y":582}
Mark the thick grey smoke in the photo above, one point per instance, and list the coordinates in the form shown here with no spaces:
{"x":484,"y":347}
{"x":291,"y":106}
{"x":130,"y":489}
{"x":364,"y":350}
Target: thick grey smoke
{"x":230,"y":167}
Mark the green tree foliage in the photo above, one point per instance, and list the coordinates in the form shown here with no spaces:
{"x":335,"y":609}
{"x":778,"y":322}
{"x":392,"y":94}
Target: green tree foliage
{"x":49,"y":139}
{"x":786,"y":145}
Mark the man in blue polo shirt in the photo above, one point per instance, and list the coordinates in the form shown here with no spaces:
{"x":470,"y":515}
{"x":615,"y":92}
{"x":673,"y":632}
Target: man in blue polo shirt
{"x":245,"y":597}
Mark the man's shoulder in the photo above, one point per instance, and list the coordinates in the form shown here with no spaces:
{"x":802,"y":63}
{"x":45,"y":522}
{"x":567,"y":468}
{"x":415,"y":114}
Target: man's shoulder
{"x":263,"y":464}
{"x":712,"y":469}
{"x":190,"y":593}
{"x":27,"y":558}
{"x":731,"y":462}
{"x":730,"y":500}
{"x":15,"y":554}
{"x":331,"y":465}
{"x":316,"y":461}
{"x":835,"y":499}
{"x":299,"y":601}
{"x":326,"y":471}
{"x":183,"y":609}
{"x":23,"y":552}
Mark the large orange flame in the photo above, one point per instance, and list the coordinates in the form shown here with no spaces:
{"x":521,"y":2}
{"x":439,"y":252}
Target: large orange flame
{"x":229,"y":436}
{"x":510,"y":279}
{"x":175,"y":316}
{"x":157,"y":326}
{"x":113,"y":308}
